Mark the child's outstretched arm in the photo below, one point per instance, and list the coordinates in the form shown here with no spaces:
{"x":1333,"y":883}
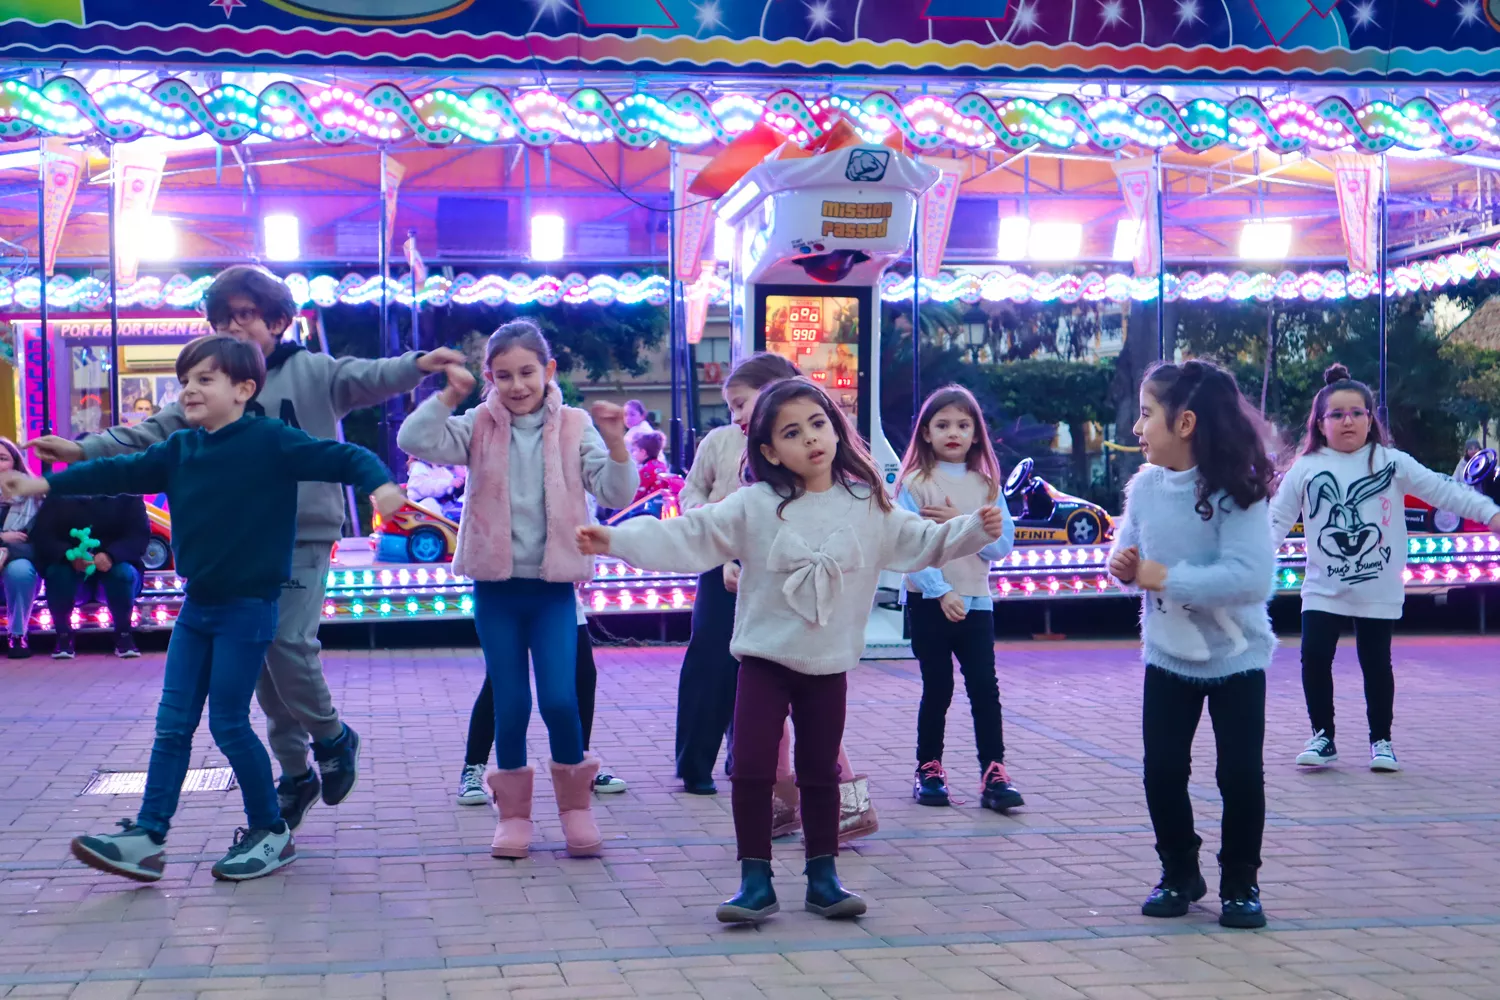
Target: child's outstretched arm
{"x":431,"y":432}
{"x":912,"y":542}
{"x":137,"y":475}
{"x":1244,"y":571}
{"x":310,"y":459}
{"x":1444,"y":493}
{"x":696,"y":542}
{"x":354,"y":383}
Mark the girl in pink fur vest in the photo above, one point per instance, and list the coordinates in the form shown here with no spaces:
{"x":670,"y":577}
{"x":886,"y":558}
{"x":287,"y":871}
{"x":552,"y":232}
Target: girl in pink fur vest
{"x":531,"y":461}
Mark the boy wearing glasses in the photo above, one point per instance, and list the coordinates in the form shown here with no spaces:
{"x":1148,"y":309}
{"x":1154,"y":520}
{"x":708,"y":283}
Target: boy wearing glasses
{"x":313,"y":392}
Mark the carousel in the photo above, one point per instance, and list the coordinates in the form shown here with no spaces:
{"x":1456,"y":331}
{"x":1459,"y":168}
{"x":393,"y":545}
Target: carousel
{"x":806,"y":176}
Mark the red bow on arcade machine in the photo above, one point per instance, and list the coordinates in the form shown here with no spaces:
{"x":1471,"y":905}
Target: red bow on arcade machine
{"x":814,"y":231}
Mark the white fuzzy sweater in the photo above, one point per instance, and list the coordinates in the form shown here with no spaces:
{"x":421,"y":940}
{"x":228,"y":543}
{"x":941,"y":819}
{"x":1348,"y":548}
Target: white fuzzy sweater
{"x":809,"y":574}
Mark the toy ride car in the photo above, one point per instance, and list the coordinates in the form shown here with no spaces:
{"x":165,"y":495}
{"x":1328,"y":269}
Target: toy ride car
{"x":1046,"y":515}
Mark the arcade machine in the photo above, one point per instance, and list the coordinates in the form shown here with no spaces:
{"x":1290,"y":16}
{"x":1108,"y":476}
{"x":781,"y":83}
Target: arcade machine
{"x":812,"y":237}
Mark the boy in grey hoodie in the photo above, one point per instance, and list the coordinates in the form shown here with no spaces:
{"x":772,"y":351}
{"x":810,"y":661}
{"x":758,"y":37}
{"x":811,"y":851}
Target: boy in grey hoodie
{"x":312,"y":392}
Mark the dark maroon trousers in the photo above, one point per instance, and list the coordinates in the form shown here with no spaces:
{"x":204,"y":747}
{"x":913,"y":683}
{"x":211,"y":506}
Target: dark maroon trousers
{"x":766,"y":691}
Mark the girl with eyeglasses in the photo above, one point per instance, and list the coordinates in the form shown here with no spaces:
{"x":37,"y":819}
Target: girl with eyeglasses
{"x":1348,"y":487}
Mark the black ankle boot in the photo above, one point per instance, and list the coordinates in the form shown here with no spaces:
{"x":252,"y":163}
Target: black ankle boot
{"x":1240,"y":896}
{"x":756,"y":900}
{"x":1180,"y":887}
{"x":826,"y":895}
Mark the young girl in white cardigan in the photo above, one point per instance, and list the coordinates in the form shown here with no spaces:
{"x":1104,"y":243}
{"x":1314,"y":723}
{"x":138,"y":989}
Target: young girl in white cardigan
{"x":812,"y":534}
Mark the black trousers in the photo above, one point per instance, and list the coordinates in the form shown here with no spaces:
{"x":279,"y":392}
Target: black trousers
{"x":710,"y":676}
{"x":482,"y":716}
{"x":1170,"y":710}
{"x":935,"y":642}
{"x":1372,"y":641}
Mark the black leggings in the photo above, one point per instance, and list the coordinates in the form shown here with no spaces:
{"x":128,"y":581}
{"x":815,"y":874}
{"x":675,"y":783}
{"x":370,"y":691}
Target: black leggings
{"x":482,"y":717}
{"x":1372,"y":642}
{"x":1171,"y":708}
{"x":935,"y":641}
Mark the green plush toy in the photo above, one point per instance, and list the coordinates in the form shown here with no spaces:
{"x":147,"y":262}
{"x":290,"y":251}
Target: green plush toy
{"x":87,"y":543}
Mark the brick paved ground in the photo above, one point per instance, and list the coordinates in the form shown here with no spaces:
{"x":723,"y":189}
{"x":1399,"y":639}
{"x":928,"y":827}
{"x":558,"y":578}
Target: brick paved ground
{"x":1377,"y":885}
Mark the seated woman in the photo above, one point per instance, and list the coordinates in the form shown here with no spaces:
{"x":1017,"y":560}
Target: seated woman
{"x":120,"y":527}
{"x":19,"y":573}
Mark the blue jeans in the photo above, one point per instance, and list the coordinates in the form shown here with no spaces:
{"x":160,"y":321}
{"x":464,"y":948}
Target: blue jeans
{"x":516,"y":617}
{"x":20,"y":594}
{"x":215,"y":655}
{"x":120,"y":585}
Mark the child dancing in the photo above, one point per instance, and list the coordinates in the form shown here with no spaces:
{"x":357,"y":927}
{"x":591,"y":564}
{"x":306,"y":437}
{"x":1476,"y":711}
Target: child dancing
{"x":950,"y":468}
{"x":1348,"y":487}
{"x":811,"y":533}
{"x":1196,"y":537}
{"x":235,"y":568}
{"x":532,"y":462}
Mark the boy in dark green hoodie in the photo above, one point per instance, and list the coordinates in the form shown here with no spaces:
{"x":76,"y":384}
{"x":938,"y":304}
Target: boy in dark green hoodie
{"x":235,"y":568}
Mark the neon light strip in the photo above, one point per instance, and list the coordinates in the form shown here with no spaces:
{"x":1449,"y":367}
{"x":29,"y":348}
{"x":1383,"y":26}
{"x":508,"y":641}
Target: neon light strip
{"x":335,"y":115}
{"x":969,"y":285}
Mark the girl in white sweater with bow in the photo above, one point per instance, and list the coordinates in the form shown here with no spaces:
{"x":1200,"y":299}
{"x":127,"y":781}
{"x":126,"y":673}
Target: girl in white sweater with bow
{"x":812,"y":534}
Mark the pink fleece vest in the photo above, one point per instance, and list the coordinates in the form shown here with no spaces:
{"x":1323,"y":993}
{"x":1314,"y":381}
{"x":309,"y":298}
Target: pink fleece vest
{"x":484,"y":549}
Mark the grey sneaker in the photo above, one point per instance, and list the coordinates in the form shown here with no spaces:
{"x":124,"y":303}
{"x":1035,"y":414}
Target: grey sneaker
{"x":131,"y":853}
{"x":256,"y":853}
{"x":471,"y":790}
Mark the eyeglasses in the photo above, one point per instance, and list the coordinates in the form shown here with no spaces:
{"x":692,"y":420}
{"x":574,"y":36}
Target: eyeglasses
{"x":244,"y":317}
{"x":1352,"y":416}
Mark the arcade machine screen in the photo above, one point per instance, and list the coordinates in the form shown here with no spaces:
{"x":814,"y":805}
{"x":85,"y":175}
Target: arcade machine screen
{"x":822,"y":335}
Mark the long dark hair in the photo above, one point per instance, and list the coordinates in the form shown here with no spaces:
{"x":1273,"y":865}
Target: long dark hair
{"x":852,"y":465}
{"x":921,"y":458}
{"x":1228,"y":440}
{"x":1336,"y":379}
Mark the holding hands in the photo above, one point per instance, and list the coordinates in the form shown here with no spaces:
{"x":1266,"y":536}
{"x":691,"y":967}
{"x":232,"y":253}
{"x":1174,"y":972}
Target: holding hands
{"x":593,"y":540}
{"x":439,"y":360}
{"x":460,"y":382}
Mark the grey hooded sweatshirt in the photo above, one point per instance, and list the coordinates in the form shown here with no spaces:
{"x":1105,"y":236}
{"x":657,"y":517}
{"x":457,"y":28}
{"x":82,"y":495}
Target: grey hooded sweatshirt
{"x":303,"y":389}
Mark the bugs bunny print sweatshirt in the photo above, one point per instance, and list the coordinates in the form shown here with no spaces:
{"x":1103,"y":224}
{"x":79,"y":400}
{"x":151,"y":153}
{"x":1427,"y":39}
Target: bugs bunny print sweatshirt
{"x":1353,"y":512}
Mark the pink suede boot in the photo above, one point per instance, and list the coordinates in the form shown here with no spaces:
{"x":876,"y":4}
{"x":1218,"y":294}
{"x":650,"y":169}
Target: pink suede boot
{"x":510,"y":794}
{"x":574,"y":786}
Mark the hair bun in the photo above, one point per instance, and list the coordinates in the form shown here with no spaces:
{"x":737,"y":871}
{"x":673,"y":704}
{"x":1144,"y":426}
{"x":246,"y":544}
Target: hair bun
{"x":1335,"y":373}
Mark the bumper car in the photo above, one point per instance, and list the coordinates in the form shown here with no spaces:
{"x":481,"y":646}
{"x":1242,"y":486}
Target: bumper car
{"x":1045,"y":515}
{"x":159,"y":549}
{"x":415,"y":533}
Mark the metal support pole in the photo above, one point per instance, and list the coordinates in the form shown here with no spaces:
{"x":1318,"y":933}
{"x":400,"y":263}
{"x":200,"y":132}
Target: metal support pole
{"x":41,"y":244}
{"x":1161,"y":265}
{"x":674,"y":327}
{"x":383,"y":249}
{"x":916,"y":322}
{"x":1383,"y":329}
{"x":114,"y":294}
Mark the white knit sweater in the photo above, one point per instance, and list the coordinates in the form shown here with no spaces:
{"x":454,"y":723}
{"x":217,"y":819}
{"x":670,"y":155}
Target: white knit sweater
{"x":716,"y":468}
{"x":809,"y":574}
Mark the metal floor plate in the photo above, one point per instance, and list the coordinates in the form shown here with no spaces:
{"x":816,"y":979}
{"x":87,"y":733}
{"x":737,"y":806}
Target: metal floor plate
{"x":199,"y":779}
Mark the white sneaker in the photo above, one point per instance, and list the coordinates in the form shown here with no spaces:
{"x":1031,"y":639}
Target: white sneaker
{"x":1319,"y":751}
{"x":607,"y":784}
{"x":256,"y":853}
{"x":471,"y":786}
{"x":1382,"y":757}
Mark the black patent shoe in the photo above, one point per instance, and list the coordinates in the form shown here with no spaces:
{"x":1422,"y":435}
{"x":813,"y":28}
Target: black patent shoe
{"x":1240,"y":897}
{"x":1180,"y":887}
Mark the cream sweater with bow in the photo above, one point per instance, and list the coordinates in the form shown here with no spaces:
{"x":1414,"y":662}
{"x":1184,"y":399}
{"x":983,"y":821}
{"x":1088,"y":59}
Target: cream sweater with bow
{"x":809,"y":575}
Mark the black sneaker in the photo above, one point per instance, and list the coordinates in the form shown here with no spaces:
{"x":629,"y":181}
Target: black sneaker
{"x":19,"y":649}
{"x":1180,"y":887}
{"x":1240,"y":897}
{"x":931,"y":786}
{"x":700,"y":786}
{"x":996,"y":792}
{"x":64,"y":650}
{"x":256,"y":853}
{"x":296,"y":795}
{"x":1319,"y":752}
{"x":338,"y":761}
{"x":125,"y":647}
